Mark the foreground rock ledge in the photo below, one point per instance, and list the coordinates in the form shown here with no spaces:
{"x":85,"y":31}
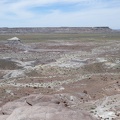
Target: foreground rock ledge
{"x":42,"y":107}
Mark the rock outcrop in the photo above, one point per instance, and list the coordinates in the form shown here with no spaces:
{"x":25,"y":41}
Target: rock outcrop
{"x":44,"y":107}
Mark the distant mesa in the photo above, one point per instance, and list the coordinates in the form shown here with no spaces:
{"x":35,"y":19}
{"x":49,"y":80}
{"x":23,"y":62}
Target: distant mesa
{"x":28,"y":30}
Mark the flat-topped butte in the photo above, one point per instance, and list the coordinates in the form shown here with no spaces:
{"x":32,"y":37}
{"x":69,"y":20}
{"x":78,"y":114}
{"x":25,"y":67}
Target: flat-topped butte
{"x":26,"y":30}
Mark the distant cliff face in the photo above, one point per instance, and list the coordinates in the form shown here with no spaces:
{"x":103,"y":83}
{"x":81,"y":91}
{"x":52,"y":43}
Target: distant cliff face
{"x":27,"y":30}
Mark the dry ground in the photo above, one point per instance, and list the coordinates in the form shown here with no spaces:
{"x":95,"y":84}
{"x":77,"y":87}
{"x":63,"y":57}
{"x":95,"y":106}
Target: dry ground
{"x":88,"y":70}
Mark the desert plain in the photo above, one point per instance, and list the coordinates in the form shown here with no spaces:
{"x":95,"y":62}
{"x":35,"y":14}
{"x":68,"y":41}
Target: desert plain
{"x":60,"y":76}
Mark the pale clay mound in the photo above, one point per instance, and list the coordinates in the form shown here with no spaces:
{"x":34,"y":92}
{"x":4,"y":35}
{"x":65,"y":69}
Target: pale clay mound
{"x":43,"y":107}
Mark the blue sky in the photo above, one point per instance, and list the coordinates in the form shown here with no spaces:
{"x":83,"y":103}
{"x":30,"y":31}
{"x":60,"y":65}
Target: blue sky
{"x":56,"y":13}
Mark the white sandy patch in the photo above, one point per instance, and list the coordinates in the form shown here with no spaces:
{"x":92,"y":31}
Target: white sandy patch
{"x":110,"y":64}
{"x":14,"y":74}
{"x":106,"y":107}
{"x":101,"y":59}
{"x":23,"y":64}
{"x":69,"y":62}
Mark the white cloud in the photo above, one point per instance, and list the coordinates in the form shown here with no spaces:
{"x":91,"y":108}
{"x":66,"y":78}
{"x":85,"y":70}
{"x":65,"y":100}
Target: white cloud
{"x":22,"y":5}
{"x":99,"y":13}
{"x":88,"y":18}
